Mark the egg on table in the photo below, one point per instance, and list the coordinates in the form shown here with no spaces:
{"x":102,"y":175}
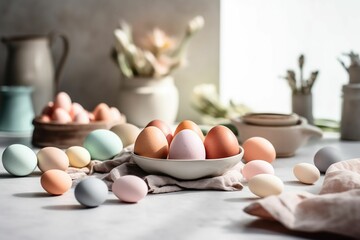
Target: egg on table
{"x":103,"y":144}
{"x":256,"y":167}
{"x":325,"y":157}
{"x":52,"y":158}
{"x":78,"y":156}
{"x":130,"y":188}
{"x":91,"y":192}
{"x":256,"y":148}
{"x":187,"y":145}
{"x":19,"y":160}
{"x":55,"y":182}
{"x":306,"y":173}
{"x":220,"y":142}
{"x":151,"y":143}
{"x":264,"y":185}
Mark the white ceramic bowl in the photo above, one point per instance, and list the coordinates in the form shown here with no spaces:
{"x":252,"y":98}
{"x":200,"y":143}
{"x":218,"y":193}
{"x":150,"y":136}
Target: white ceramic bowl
{"x":187,"y":169}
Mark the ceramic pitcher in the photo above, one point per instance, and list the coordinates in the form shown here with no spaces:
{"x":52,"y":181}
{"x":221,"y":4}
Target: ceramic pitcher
{"x":29,"y":63}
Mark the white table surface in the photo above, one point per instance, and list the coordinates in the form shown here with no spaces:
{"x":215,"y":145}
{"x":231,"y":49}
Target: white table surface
{"x":27,"y":212}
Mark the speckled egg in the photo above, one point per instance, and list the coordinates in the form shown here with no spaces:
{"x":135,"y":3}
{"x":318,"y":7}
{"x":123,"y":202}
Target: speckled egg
{"x":52,"y":158}
{"x":103,"y":144}
{"x":91,"y":192}
{"x":19,"y":160}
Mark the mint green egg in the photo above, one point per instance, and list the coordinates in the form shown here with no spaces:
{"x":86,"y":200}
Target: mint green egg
{"x":103,"y":144}
{"x":19,"y":160}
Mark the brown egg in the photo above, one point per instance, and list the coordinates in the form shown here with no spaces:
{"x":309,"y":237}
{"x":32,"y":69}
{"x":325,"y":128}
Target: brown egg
{"x":152,"y":143}
{"x":220,"y":142}
{"x":102,"y":112}
{"x":164,"y":127}
{"x":187,"y":124}
{"x":56,"y":182}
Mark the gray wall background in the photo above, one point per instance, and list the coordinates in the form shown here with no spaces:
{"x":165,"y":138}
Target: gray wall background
{"x":89,"y":75}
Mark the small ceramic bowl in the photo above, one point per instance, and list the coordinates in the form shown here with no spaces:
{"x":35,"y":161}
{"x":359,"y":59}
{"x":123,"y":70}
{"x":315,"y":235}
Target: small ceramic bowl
{"x":50,"y":134}
{"x":285,"y":139}
{"x":188,"y":169}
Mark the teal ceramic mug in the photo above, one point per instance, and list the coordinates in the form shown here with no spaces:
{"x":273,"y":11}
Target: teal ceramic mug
{"x":16,"y":109}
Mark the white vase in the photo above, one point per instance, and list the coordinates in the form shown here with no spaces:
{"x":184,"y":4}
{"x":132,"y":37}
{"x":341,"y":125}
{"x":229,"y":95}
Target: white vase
{"x":145,"y":99}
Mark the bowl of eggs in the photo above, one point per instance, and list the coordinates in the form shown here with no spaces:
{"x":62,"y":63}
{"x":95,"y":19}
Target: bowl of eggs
{"x":64,"y":123}
{"x":186,"y":153}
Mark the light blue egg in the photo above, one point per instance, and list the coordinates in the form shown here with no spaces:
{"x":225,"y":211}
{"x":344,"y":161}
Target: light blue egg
{"x":19,"y":160}
{"x":103,"y":144}
{"x":91,"y":192}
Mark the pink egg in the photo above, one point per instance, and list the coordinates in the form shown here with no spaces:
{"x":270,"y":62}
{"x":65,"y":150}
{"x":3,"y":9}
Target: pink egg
{"x":102,"y":112}
{"x":48,"y":109}
{"x":61,"y":116}
{"x":82,"y":117}
{"x":129,"y":188}
{"x":256,"y":167}
{"x":187,"y":145}
{"x":76,"y":108}
{"x":115,"y":114}
{"x":63,"y":100}
{"x":45,"y":118}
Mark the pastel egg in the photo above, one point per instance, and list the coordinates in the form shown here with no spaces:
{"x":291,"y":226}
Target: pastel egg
{"x":78,"y":156}
{"x":52,"y":158}
{"x":126,"y":132}
{"x":220,"y":142}
{"x":61,"y":116}
{"x":325,"y":157}
{"x":103,"y":144}
{"x":91,"y":192}
{"x":256,"y":148}
{"x":115,"y":114}
{"x":187,"y":145}
{"x":256,"y":167}
{"x":164,"y":127}
{"x":76,"y":108}
{"x":55,"y":182}
{"x":306,"y":173}
{"x":129,"y":188}
{"x":187,"y":124}
{"x":19,"y":160}
{"x":152,"y":143}
{"x":82,"y":117}
{"x":264,"y":185}
{"x":102,"y":112}
{"x":63,"y":101}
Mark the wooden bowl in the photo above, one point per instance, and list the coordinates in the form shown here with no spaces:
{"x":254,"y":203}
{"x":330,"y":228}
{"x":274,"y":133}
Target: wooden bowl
{"x":50,"y":134}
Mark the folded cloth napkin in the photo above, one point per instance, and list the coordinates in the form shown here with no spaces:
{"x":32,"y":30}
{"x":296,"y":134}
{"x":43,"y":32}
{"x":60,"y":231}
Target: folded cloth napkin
{"x":336,"y":209}
{"x":123,"y":164}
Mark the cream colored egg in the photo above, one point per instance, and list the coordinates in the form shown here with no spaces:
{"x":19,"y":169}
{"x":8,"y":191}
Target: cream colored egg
{"x":52,"y":158}
{"x":306,"y":173}
{"x":78,"y":156}
{"x":264,"y":185}
{"x":126,"y":132}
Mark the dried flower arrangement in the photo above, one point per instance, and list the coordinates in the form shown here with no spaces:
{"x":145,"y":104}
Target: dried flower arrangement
{"x":302,"y":86}
{"x":160,"y":57}
{"x":206,"y":101}
{"x":354,"y":68}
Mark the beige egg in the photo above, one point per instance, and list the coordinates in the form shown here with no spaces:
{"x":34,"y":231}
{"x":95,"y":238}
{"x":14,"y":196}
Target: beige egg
{"x":306,"y":173}
{"x":52,"y":158}
{"x":264,"y":185}
{"x":126,"y":132}
{"x":78,"y":156}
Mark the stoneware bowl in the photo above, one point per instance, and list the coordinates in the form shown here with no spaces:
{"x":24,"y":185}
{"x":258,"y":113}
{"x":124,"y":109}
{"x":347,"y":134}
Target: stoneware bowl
{"x":188,"y":169}
{"x":286,"y":139}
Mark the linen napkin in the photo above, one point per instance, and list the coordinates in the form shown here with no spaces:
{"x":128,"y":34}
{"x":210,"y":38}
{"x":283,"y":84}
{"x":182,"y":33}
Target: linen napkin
{"x":123,"y":164}
{"x":336,"y":209}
